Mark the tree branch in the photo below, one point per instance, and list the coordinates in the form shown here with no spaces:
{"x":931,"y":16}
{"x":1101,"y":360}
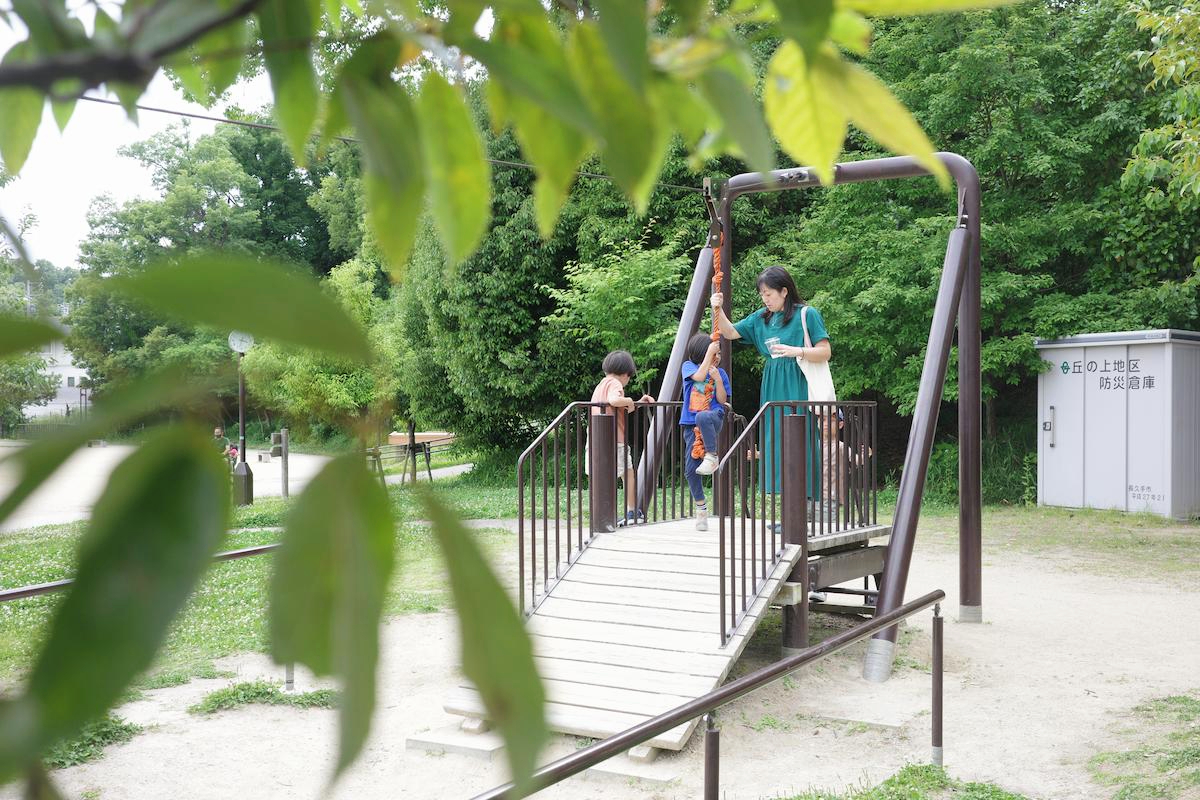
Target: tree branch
{"x":95,"y":68}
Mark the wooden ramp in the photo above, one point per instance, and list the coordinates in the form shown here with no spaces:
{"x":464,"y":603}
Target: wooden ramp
{"x":632,"y":630}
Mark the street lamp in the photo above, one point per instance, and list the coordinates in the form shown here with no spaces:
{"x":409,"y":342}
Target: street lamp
{"x":243,"y":478}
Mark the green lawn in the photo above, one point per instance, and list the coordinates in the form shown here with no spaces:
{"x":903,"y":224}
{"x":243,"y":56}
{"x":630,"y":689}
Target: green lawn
{"x":227,"y":613}
{"x":917,"y":782}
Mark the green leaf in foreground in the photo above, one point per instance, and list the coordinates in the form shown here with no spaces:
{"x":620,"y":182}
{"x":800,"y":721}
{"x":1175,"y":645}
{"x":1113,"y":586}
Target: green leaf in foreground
{"x":328,"y":587}
{"x":153,"y":533}
{"x":20,"y":114}
{"x":268,"y":300}
{"x":20,"y":335}
{"x":807,"y":119}
{"x":286,"y":29}
{"x":497,"y":656}
{"x":460,"y":186}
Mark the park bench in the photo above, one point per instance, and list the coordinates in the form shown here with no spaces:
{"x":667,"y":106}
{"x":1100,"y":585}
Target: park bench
{"x":407,"y":448}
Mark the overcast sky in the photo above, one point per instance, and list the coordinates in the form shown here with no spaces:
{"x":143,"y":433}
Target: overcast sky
{"x":66,"y":171}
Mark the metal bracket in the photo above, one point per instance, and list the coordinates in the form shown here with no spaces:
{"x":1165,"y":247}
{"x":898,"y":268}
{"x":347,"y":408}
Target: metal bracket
{"x":714,"y":219}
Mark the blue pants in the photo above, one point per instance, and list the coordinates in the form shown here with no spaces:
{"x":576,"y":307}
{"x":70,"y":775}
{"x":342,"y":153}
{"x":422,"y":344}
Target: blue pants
{"x":710,"y":423}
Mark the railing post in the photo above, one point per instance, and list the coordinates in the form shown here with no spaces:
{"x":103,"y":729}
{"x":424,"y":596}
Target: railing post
{"x":795,"y":526}
{"x":602,"y":468}
{"x":936,"y":709}
{"x":712,"y":757}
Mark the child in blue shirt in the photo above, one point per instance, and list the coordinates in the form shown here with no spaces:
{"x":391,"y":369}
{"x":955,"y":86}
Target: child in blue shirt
{"x":701,"y":375}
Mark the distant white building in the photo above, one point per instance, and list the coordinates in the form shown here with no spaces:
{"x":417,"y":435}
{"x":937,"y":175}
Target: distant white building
{"x":72,"y":393}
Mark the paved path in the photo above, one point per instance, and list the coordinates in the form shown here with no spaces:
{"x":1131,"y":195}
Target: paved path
{"x":71,"y":492}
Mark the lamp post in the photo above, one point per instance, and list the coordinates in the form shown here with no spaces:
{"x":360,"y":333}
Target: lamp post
{"x":243,"y":478}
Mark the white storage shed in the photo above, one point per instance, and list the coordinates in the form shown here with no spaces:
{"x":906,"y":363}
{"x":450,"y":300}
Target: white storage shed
{"x":1119,"y":422}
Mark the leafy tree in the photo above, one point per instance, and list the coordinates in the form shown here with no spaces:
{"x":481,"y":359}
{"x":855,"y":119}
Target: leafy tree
{"x":1168,"y":156}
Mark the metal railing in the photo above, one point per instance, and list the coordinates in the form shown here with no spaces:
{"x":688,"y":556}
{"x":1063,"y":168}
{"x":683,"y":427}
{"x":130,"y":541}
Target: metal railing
{"x":776,"y":487}
{"x":569,"y":486}
{"x":601,"y":751}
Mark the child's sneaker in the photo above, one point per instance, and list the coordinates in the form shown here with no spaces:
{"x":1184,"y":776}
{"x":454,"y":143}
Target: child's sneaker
{"x":702,"y":519}
{"x":631,"y":518}
{"x":708,"y":466}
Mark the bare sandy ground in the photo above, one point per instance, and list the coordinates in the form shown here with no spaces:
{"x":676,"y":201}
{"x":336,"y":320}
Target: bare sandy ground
{"x":1031,"y":695}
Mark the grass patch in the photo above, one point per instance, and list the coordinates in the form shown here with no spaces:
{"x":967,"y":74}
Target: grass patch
{"x":1162,"y":759}
{"x":90,"y":743}
{"x":227,"y":612}
{"x":1110,"y":543}
{"x":262,"y":693}
{"x":917,"y":782}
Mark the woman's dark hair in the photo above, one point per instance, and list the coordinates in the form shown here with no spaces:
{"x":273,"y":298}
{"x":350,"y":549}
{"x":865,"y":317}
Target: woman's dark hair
{"x":619,"y":362}
{"x":777,"y":278}
{"x":697,"y":347}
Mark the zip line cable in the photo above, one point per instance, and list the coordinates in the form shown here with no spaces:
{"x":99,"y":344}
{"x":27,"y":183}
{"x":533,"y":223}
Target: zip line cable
{"x":351,"y":140}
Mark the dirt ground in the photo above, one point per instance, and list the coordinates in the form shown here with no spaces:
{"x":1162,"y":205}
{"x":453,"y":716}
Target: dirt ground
{"x":1031,"y":695}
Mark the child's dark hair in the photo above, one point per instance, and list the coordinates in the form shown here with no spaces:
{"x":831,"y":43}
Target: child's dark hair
{"x":619,"y":362}
{"x":778,"y":278}
{"x":697,"y":347}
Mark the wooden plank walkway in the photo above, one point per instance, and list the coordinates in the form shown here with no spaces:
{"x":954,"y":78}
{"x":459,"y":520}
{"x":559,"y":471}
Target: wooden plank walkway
{"x":632,"y":630}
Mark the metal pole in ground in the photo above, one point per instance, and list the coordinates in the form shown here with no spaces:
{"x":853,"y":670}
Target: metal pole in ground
{"x":289,"y":677}
{"x":243,"y":478}
{"x":938,"y":634}
{"x":283,"y":442}
{"x":795,"y":526}
{"x":712,"y":757}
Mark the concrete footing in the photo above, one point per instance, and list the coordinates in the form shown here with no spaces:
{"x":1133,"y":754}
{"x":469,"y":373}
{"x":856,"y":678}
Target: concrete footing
{"x":970,"y":613}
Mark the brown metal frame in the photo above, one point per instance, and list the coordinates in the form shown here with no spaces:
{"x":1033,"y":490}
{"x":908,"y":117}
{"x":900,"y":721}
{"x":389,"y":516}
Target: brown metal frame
{"x":958,"y":295}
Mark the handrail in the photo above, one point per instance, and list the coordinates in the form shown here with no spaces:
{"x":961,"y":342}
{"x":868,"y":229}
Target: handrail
{"x":37,"y":589}
{"x":643,"y":732}
{"x":542,"y":436}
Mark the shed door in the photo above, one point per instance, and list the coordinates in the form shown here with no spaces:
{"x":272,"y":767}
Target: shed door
{"x":1105,"y":426}
{"x":1147,"y":484}
{"x":1060,"y":423}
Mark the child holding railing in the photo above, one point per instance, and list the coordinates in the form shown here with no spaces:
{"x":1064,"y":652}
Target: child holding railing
{"x":706,"y":390}
{"x":618,"y":369}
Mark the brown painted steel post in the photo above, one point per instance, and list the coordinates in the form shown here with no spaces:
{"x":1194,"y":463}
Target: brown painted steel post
{"x":936,"y":706}
{"x":602,"y":482}
{"x":795,"y":526}
{"x":712,"y":757}
{"x":970,"y":428}
{"x":877,"y":666}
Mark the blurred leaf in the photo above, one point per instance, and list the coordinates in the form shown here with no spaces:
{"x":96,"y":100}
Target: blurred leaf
{"x":689,"y":12}
{"x":220,"y":55}
{"x":328,"y":587}
{"x":170,"y":388}
{"x":898,"y":8}
{"x":153,"y":532}
{"x":554,"y":147}
{"x":496,"y":654}
{"x":287,"y":29}
{"x":192,"y":79}
{"x":625,"y":120}
{"x":851,"y":31}
{"x":688,"y":113}
{"x":525,"y":55}
{"x":623,"y":28}
{"x":806,"y":23}
{"x":20,"y":114}
{"x":807,"y":120}
{"x":51,"y":28}
{"x":460,"y":185}
{"x":875,"y":110}
{"x":741,"y":116}
{"x":63,"y":109}
{"x":20,"y":335}
{"x":268,"y":300}
{"x":163,"y":23}
{"x":388,"y":130}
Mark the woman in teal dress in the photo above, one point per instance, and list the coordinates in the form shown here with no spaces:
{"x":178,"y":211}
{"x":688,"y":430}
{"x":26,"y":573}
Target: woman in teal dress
{"x":778,"y":334}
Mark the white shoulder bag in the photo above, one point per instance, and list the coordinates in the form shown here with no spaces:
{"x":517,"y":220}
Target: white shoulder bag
{"x":817,"y":373}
